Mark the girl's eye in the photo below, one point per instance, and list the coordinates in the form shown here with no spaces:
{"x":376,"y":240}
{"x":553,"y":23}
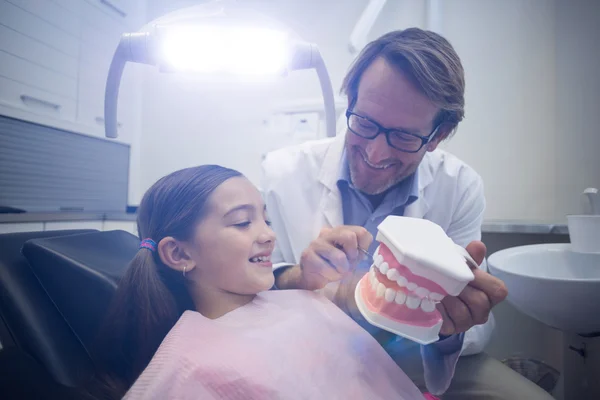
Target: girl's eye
{"x":243,"y":224}
{"x":268,"y":222}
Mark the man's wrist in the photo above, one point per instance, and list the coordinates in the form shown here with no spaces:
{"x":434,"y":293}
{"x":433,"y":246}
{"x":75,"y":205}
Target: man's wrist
{"x":287,"y":277}
{"x":449,"y":344}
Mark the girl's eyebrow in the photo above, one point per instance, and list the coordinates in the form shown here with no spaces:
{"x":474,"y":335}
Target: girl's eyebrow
{"x":248,"y":207}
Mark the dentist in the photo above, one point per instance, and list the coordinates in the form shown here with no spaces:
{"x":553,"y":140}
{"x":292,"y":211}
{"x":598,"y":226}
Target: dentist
{"x":325,"y":198}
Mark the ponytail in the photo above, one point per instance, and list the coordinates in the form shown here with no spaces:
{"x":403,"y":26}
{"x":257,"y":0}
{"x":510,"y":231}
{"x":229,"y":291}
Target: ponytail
{"x":147,"y":303}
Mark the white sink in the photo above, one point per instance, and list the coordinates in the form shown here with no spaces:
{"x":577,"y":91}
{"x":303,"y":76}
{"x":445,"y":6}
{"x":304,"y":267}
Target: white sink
{"x":552,"y":284}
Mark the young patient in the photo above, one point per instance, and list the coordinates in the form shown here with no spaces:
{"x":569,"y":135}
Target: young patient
{"x":193,"y":317}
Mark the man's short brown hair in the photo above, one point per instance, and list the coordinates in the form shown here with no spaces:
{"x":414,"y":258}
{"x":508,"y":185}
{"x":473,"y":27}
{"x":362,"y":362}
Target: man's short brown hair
{"x":428,"y":60}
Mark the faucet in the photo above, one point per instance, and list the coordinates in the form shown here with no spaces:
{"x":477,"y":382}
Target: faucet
{"x":591,"y":201}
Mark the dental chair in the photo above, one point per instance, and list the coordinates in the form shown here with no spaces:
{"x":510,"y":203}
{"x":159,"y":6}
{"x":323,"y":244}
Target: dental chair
{"x":55,"y":288}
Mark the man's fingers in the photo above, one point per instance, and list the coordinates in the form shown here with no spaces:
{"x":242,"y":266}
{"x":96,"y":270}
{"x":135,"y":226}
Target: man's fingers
{"x":364,"y":237}
{"x":346,"y":240}
{"x":332,"y":255}
{"x":493,"y":287}
{"x":478,"y":303}
{"x":313,"y":264}
{"x":459,"y":313}
{"x":447,"y":328}
{"x":477,"y":251}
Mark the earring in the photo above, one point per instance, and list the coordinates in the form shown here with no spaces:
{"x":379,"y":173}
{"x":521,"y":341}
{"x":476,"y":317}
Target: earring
{"x":184,"y":268}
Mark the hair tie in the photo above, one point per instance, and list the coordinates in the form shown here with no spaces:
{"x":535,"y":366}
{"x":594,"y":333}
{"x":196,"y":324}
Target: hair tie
{"x":148,"y":244}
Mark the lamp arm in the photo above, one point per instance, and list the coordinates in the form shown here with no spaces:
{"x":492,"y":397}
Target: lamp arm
{"x":111,"y":94}
{"x":327,"y":90}
{"x":134,"y":47}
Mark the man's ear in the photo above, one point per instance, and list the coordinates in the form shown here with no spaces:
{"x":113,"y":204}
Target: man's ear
{"x":442,"y":134}
{"x":175,"y":254}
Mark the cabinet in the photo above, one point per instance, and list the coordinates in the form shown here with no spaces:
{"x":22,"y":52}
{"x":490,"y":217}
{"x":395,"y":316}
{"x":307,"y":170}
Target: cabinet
{"x":54,"y":59}
{"x":100,"y":225}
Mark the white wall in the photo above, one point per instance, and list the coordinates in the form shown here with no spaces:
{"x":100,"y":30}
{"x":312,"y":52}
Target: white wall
{"x":532,"y":92}
{"x":529,"y":127}
{"x":577,"y":162}
{"x":509,"y":130}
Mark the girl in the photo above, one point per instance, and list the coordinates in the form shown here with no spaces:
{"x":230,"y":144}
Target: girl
{"x":194,"y":315}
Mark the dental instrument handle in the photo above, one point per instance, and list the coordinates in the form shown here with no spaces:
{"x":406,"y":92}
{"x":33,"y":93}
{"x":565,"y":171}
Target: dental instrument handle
{"x":366,"y":253}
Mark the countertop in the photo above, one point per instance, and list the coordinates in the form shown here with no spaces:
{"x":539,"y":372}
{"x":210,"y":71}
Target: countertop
{"x":489,"y":226}
{"x":520,"y":226}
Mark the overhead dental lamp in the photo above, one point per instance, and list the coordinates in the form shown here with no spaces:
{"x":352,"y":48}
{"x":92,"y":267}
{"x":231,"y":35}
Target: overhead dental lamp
{"x":220,"y":37}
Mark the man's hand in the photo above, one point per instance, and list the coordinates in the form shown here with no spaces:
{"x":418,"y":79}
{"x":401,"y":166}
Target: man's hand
{"x":474,"y":304}
{"x":328,"y":258}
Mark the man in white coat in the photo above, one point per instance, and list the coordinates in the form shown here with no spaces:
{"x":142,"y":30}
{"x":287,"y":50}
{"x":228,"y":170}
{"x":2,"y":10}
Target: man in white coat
{"x":326,"y":197}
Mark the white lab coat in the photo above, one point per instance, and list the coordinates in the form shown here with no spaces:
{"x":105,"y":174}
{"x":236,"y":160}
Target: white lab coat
{"x":300,"y":189}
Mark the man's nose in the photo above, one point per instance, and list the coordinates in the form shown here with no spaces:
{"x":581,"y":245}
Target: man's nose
{"x":378,"y":149}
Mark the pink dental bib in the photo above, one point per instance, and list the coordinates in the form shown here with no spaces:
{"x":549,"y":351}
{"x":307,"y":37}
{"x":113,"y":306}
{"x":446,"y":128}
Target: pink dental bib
{"x":283,"y":345}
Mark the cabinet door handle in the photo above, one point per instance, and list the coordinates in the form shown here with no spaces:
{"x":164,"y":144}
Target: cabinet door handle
{"x":34,"y":101}
{"x":114,"y":8}
{"x":100,"y":121}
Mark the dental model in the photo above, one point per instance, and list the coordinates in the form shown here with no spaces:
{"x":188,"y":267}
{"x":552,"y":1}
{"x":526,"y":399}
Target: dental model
{"x":415,"y":266}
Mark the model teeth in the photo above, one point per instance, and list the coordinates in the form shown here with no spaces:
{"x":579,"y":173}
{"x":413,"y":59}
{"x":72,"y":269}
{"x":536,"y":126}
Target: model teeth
{"x":380,"y":290}
{"x":400,"y":297}
{"x":390,"y":295}
{"x":422,"y":292}
{"x":436,"y":296}
{"x":384,"y":267}
{"x":412,"y":300}
{"x":392,"y":274}
{"x":401,"y":281}
{"x":260,"y":259}
{"x":415,"y":295}
{"x":427,"y":305}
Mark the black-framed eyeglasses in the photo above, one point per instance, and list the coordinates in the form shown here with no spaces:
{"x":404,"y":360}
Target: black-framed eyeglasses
{"x":404,"y":141}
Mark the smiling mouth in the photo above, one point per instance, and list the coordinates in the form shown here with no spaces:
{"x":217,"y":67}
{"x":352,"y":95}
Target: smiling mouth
{"x":379,"y":167}
{"x":260,"y":259}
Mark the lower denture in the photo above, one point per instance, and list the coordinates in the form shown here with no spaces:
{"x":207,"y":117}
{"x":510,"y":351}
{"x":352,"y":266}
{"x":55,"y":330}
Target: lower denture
{"x":378,"y":299}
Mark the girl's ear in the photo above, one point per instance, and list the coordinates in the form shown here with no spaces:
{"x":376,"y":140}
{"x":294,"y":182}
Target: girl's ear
{"x":175,"y":255}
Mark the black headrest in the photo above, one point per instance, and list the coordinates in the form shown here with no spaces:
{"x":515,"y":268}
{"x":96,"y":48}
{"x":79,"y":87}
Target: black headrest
{"x":80,"y":274}
{"x":34,"y":323}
